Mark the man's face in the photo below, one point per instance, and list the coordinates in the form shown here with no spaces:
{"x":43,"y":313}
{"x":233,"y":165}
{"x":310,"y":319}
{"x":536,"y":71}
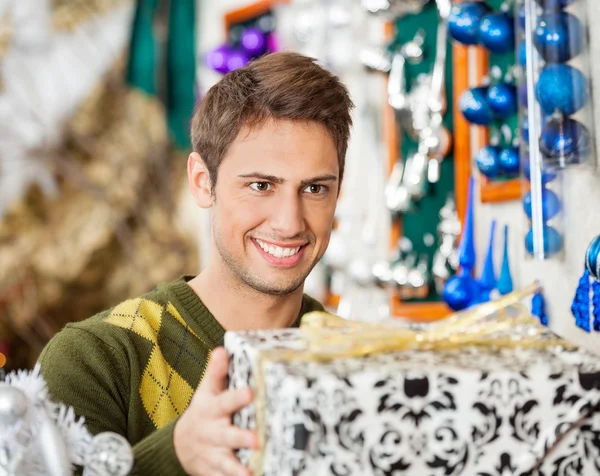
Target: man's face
{"x":276,"y":193}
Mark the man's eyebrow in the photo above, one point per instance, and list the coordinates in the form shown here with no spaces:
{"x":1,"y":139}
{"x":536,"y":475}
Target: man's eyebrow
{"x":319,"y":178}
{"x":259,"y":176}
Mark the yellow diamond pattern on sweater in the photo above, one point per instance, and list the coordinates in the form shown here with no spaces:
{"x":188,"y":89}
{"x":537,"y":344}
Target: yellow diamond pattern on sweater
{"x":164,"y":393}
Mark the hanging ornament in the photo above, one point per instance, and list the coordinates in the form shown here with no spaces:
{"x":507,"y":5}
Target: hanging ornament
{"x":497,"y":33}
{"x":474,"y":106}
{"x":552,"y":241}
{"x":505,"y":283}
{"x":592,"y":258}
{"x":564,"y":141}
{"x":462,"y":290}
{"x":487,"y":281}
{"x":510,"y":161}
{"x":553,"y":5}
{"x":464,"y":21}
{"x":547,"y":174}
{"x":538,"y":308}
{"x":218,"y":58}
{"x":237,"y":59}
{"x":253,"y":42}
{"x":488,"y":162}
{"x":550,"y":204}
{"x":562,"y":88}
{"x":558,"y":37}
{"x":581,"y":305}
{"x":502,"y":99}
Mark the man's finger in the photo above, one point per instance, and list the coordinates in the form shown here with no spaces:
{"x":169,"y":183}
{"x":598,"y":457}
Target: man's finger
{"x":229,"y":465}
{"x":215,"y":377}
{"x":232,"y":401}
{"x":232,"y":437}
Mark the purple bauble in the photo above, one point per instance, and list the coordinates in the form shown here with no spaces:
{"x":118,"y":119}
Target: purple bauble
{"x":474,"y":106}
{"x":218,"y":59}
{"x":510,"y":161}
{"x":488,"y":162}
{"x":464,"y":20}
{"x":237,"y":59}
{"x":253,"y":42}
{"x":564,"y":141}
{"x":562,"y":88}
{"x":497,"y":32}
{"x":558,"y":37}
{"x":502,"y":99}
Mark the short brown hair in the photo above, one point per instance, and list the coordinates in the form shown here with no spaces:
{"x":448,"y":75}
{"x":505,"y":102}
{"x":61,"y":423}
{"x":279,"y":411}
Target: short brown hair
{"x":279,"y":86}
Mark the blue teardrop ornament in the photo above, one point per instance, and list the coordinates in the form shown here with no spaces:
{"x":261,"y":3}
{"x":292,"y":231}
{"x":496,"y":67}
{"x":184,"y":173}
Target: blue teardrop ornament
{"x":550,"y":204}
{"x":562,"y":88}
{"x":592,"y":258}
{"x":487,"y":282}
{"x":488,"y":162}
{"x":558,"y":37}
{"x":474,"y":106}
{"x":552,"y":241}
{"x":466,"y":247}
{"x":502,"y":99}
{"x":464,"y":20}
{"x":497,"y":32}
{"x":505,"y":283}
{"x":564,"y":141}
{"x":510,"y":161}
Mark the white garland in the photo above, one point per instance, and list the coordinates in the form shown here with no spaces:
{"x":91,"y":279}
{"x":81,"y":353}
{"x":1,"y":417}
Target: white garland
{"x":39,"y":437}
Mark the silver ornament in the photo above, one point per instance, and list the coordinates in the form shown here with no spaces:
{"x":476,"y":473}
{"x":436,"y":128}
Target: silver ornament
{"x":109,"y":454}
{"x":13,"y":405}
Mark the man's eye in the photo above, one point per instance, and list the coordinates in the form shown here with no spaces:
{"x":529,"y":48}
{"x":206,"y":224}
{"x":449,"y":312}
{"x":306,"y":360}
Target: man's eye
{"x":261,"y":186}
{"x":316,"y":189}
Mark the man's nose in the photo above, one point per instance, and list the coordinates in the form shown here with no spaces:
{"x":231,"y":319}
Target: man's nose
{"x":287,"y":217}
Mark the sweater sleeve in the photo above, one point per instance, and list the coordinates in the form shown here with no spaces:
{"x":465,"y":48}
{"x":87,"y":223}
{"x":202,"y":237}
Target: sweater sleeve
{"x":92,"y":376}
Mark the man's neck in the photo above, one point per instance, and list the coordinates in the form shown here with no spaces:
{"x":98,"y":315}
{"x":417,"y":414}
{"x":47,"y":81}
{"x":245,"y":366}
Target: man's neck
{"x":236,"y":306}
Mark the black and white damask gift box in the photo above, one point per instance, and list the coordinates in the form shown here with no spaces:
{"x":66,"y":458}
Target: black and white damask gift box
{"x":473,"y":411}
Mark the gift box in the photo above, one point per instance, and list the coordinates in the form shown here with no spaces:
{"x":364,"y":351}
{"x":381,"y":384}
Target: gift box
{"x":421,"y":410}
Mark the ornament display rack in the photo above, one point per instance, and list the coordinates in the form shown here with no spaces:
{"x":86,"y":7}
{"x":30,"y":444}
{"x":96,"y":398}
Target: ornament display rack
{"x":455,"y":168}
{"x":500,"y":190}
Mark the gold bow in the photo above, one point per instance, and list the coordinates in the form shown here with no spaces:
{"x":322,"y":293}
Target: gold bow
{"x":504,"y":322}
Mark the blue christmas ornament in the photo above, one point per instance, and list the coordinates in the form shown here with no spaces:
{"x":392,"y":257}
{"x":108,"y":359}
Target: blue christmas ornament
{"x":488,"y":162}
{"x":460,"y":291}
{"x":552,"y":241}
{"x":510,"y":161}
{"x":497,"y":33}
{"x":505,"y":283}
{"x":466,"y":247}
{"x":565,"y":141}
{"x":592,"y":258}
{"x":487,"y":281}
{"x":464,"y":20}
{"x":522,"y":54}
{"x":553,"y":5}
{"x":474,"y":106}
{"x":562,"y":88}
{"x":502,"y":99}
{"x":558,"y":37}
{"x":550,"y":204}
{"x":523,"y":95}
{"x":547,"y":174}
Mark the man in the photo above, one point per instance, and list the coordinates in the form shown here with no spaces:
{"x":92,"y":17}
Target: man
{"x":269,"y":146}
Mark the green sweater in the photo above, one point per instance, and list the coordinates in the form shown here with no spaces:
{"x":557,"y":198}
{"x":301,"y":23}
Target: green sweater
{"x":133,"y":369}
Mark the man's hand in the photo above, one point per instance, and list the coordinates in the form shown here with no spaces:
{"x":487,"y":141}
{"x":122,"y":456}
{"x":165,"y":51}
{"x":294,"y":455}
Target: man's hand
{"x":204,"y":437}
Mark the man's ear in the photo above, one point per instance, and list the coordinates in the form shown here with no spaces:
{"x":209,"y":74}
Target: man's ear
{"x":199,"y":181}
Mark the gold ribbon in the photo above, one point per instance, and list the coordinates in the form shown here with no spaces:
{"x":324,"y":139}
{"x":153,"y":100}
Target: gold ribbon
{"x":504,"y":322}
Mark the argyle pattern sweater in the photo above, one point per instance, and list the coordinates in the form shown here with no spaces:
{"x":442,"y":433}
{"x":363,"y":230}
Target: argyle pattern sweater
{"x":133,"y":369}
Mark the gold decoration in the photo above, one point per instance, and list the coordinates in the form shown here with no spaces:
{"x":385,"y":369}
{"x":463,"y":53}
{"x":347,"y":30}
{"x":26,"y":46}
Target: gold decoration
{"x":68,"y":14}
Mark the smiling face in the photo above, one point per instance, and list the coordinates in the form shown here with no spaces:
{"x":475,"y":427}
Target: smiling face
{"x":274,"y":203}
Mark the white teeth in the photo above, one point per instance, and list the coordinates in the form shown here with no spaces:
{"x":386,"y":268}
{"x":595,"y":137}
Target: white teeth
{"x":278,"y":251}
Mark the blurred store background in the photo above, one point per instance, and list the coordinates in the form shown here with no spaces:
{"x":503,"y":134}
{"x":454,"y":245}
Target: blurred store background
{"x":95,"y":102}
